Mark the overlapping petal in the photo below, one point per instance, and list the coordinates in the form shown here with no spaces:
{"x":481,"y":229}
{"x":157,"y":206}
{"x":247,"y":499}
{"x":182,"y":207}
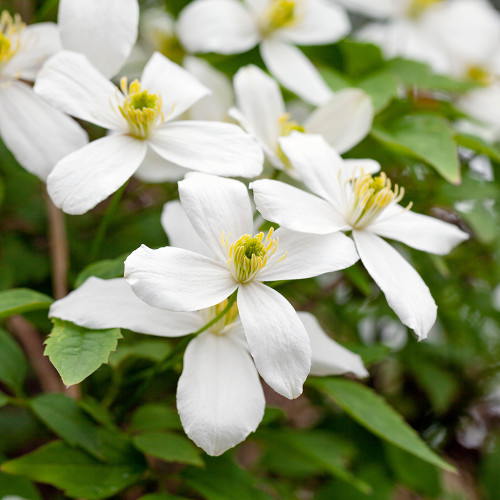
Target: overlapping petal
{"x":404,"y":289}
{"x":112,"y":304}
{"x":177,"y":279}
{"x":103,"y":31}
{"x":277,"y":339}
{"x":154,"y":169}
{"x":37,"y":134}
{"x":219,"y":396}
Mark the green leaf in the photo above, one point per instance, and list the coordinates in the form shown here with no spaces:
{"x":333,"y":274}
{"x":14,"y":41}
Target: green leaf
{"x":154,"y":350}
{"x":169,"y":446}
{"x":335,"y":80}
{"x":425,"y":137}
{"x":222,"y":479}
{"x":488,"y":471}
{"x":360,"y":58}
{"x":4,"y":400}
{"x":162,"y":496}
{"x":155,"y":417}
{"x":105,"y":269}
{"x":381,"y":86}
{"x":21,"y":300}
{"x":372,"y":412}
{"x":12,"y":363}
{"x":478,"y":145}
{"x":17,"y":486}
{"x":75,"y":472}
{"x":76,"y":352}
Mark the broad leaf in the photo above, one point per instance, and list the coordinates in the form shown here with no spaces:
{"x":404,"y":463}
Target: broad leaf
{"x":76,"y":352}
{"x":105,"y":269}
{"x":478,"y":145}
{"x":372,"y":412}
{"x":381,"y":87}
{"x":21,"y":300}
{"x":425,"y":137}
{"x":155,"y":417}
{"x":12,"y":363}
{"x":75,"y":472}
{"x":11,"y":486}
{"x":169,"y":446}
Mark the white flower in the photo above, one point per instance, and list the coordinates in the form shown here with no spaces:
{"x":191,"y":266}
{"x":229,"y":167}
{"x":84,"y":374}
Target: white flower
{"x":350,"y":199}
{"x":37,"y":134}
{"x":230,"y":27}
{"x":343,"y":121}
{"x":180,"y":280}
{"x":141,"y":118}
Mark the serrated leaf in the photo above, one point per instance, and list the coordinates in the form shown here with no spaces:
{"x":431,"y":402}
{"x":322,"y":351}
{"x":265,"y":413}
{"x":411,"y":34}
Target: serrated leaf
{"x":76,"y":352}
{"x":372,"y":412}
{"x":169,"y":446}
{"x":12,"y":363}
{"x":21,"y":300}
{"x":75,"y":472}
{"x":425,"y":137}
{"x":155,"y":417}
{"x":105,"y":269}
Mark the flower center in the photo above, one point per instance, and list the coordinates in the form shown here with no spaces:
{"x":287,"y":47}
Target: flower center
{"x":249,"y":254}
{"x":371,"y":196}
{"x":141,"y":109}
{"x":10,"y":35}
{"x":480,"y":74}
{"x":287,"y":127}
{"x":417,"y":7}
{"x":225,"y":323}
{"x":281,"y":13}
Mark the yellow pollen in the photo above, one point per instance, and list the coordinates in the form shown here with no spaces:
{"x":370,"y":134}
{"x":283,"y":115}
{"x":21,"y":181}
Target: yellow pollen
{"x":249,"y":254}
{"x":287,"y":127}
{"x":281,"y":14}
{"x":172,"y":48}
{"x":417,"y":7}
{"x":226,"y":322}
{"x":10,"y":35}
{"x":480,"y":75}
{"x":371,"y":196}
{"x":141,"y":109}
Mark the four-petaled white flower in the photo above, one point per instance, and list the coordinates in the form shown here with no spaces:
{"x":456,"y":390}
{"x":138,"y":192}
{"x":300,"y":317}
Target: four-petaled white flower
{"x":180,"y":280}
{"x":231,"y":27}
{"x":141,"y":116}
{"x":343,"y":121}
{"x":347,"y":199}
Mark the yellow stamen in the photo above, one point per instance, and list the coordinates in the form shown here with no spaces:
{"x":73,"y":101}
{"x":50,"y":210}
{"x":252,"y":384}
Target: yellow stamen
{"x":287,"y":127}
{"x":249,"y":254}
{"x":226,"y":322}
{"x":281,"y":14}
{"x":11,"y":29}
{"x":480,"y":74}
{"x":417,"y":7}
{"x":141,"y":109}
{"x":371,"y":196}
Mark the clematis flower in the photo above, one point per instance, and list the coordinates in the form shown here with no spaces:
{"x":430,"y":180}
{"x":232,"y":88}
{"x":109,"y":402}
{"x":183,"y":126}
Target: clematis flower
{"x":344,"y":199}
{"x":219,"y":396}
{"x":143,"y":131}
{"x":231,"y":27}
{"x":36,"y":134}
{"x":343,"y":121}
{"x":240,"y":260}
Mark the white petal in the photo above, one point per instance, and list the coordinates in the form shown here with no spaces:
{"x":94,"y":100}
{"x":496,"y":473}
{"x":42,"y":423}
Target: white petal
{"x":178,"y":88}
{"x":222,"y":26}
{"x":319,"y":22}
{"x":37,"y":134}
{"x":105,"y":31}
{"x":259,"y":99}
{"x":70,"y":83}
{"x":295,"y":72}
{"x":344,"y":120}
{"x":308,"y":255}
{"x":154,"y":169}
{"x":380,"y":8}
{"x":88,"y":176}
{"x":317,"y":165}
{"x":180,"y":231}
{"x":38,"y":43}
{"x":276,"y":337}
{"x":418,"y":231}
{"x":215,"y":205}
{"x":295,"y":209}
{"x":211,"y":147}
{"x":328,"y":356}
{"x":354,"y":166}
{"x":219,"y":397}
{"x":112,"y":304}
{"x":177,"y":279}
{"x":215,"y":106}
{"x":484,"y":105}
{"x":404,"y":289}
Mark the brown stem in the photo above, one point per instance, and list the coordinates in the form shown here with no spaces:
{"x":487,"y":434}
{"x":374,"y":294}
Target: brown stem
{"x":58,"y":249}
{"x":29,"y":338}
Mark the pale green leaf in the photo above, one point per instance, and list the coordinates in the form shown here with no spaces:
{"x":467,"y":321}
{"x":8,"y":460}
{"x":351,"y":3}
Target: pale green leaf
{"x":105,"y":269}
{"x":155,"y":417}
{"x":21,"y":300}
{"x":12,"y":362}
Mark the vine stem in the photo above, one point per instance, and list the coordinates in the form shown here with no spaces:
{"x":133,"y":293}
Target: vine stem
{"x":108,"y":215}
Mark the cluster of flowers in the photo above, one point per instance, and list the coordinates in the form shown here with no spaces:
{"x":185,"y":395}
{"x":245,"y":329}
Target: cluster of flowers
{"x":213,"y":271}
